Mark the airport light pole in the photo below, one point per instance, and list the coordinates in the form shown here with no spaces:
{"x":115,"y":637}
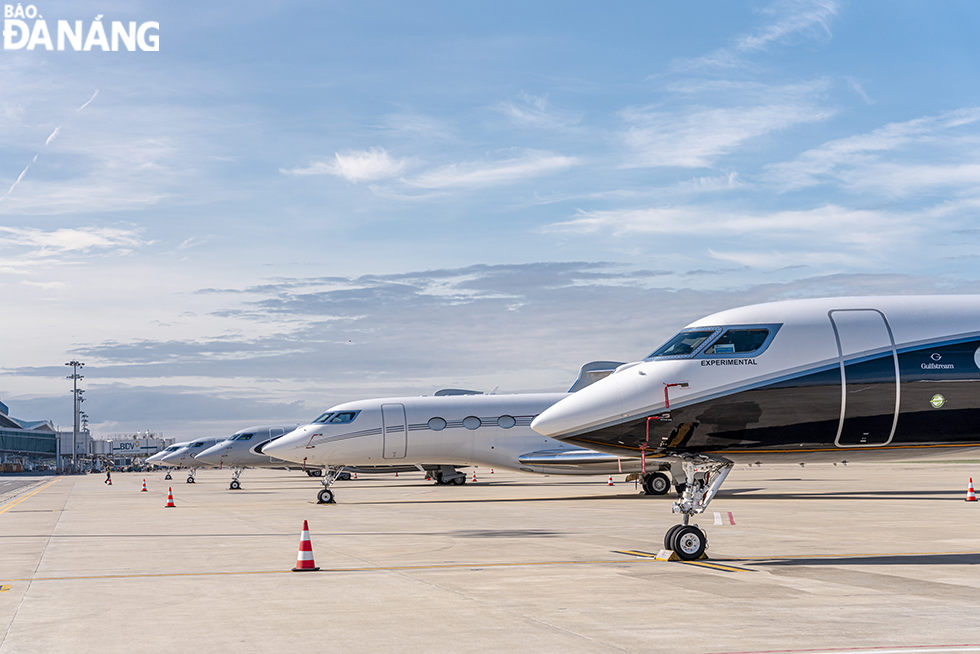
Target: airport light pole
{"x":76,"y":406}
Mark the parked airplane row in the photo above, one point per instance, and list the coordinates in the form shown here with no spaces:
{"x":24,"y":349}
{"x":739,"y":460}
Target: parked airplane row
{"x":804,"y":380}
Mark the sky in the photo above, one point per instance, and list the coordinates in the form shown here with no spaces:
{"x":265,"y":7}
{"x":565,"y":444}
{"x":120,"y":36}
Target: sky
{"x":290,"y":205}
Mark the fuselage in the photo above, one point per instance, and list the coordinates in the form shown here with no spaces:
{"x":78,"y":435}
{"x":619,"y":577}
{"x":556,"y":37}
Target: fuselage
{"x":159,"y":456}
{"x":184,"y":457}
{"x":822,"y":379}
{"x":452,"y":430}
{"x":239,"y":449}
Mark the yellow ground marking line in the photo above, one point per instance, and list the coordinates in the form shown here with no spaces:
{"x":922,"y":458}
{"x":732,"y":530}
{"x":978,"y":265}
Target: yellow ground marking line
{"x":6,"y":507}
{"x":703,"y":564}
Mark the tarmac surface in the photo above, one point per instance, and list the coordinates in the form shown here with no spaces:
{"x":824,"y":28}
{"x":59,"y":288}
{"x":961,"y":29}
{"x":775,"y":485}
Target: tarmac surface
{"x":877,"y":557}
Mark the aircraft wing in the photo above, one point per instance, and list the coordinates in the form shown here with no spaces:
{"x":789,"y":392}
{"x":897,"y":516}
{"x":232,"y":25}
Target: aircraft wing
{"x":565,"y":458}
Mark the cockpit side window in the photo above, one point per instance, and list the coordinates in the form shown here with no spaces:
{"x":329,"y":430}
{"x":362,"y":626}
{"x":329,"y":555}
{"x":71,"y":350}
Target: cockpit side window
{"x":198,"y":444}
{"x":244,"y":437}
{"x":343,"y":416}
{"x":685,"y":344}
{"x":742,"y":341}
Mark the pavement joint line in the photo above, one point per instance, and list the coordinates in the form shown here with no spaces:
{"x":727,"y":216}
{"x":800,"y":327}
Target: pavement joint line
{"x":9,"y":505}
{"x":866,"y":555}
{"x":437,"y":566}
{"x":885,"y":649}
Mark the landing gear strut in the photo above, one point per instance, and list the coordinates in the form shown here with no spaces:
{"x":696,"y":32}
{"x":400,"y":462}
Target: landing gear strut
{"x":704,"y":476}
{"x":325,"y":496}
{"x":235,"y":484}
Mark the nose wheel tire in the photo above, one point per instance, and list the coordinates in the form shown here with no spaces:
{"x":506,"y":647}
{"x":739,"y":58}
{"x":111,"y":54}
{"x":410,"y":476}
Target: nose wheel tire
{"x":168,"y":477}
{"x":688,"y":542}
{"x":656,"y":484}
{"x":235,"y":485}
{"x":669,"y":537}
{"x":325,"y":496}
{"x":190,"y":480}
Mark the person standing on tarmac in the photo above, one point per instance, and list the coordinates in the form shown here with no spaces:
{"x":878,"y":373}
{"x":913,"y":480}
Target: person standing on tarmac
{"x":108,"y":476}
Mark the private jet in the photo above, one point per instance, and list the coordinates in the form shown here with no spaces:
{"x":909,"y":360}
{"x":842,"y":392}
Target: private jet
{"x":183,"y":457}
{"x":453,"y":428}
{"x":238,"y":451}
{"x":157,"y":458}
{"x":860,"y":378}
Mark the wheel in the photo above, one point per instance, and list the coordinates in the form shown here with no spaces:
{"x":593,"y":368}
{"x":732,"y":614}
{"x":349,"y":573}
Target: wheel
{"x":325,"y":496}
{"x":344,"y":476}
{"x":689,"y":543}
{"x":656,"y":484}
{"x":168,"y":477}
{"x":668,"y":537}
{"x":459,"y":481}
{"x":316,"y":473}
{"x":235,"y":485}
{"x":439,"y":479}
{"x":190,"y":480}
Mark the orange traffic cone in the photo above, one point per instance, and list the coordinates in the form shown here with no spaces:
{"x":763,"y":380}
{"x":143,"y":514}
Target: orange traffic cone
{"x":971,"y":495}
{"x":143,"y":490}
{"x":355,"y":475}
{"x":396,"y":474}
{"x":304,"y":560}
{"x":491,"y":471}
{"x":170,"y":499}
{"x":610,"y":483}
{"x":474,"y":476}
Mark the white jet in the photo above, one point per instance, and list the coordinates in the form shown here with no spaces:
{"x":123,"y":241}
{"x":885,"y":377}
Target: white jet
{"x":448,"y":430}
{"x":157,"y":459}
{"x":239,"y":451}
{"x":183,"y":457}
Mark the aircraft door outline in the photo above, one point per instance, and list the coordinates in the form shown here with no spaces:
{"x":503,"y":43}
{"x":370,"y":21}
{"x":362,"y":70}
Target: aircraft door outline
{"x":394,"y":430}
{"x":857,"y":331}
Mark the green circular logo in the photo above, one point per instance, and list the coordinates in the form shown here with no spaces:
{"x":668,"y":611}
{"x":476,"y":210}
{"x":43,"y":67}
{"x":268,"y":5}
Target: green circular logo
{"x":937,"y":401}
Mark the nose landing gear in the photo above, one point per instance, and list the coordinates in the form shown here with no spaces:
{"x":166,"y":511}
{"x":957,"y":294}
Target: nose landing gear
{"x":190,"y":475}
{"x":235,"y":484}
{"x":704,"y":476}
{"x":325,"y":496}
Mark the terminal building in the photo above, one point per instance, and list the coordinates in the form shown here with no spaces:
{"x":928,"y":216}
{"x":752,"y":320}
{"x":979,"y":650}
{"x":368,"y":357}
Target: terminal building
{"x":26,"y":444}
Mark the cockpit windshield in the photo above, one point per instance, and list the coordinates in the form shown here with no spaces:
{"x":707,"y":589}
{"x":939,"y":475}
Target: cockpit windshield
{"x":244,"y":437}
{"x":684,"y":344}
{"x":335,"y":417}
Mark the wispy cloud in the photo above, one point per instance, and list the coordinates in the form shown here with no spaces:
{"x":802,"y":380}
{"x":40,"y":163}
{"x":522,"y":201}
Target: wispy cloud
{"x":790,"y":20}
{"x":531,"y":163}
{"x":356,"y":166}
{"x":856,"y":161}
{"x":59,"y":241}
{"x":534,"y":111}
{"x":698,"y":137}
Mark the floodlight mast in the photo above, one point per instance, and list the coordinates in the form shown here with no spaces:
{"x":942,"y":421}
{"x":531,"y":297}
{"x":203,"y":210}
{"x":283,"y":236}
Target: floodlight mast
{"x":77,"y":400}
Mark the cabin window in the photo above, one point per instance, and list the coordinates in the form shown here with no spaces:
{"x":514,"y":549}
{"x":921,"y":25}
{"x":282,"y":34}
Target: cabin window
{"x":506,"y":422}
{"x":472,"y":422}
{"x":437,"y":424}
{"x":739,"y":341}
{"x":684,"y":344}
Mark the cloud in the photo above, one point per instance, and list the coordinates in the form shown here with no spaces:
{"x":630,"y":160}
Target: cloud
{"x":533,"y":111}
{"x":532,"y":163}
{"x":356,"y":166}
{"x":791,"y":20}
{"x":697,"y":137}
{"x":856,"y":162}
{"x":83,"y":239}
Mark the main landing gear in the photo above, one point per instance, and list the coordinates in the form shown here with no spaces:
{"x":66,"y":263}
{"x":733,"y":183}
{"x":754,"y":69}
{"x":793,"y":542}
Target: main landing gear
{"x":656,"y":483}
{"x":325,"y":496}
{"x":704,"y":476}
{"x":235,"y":484}
{"x":448,"y":475}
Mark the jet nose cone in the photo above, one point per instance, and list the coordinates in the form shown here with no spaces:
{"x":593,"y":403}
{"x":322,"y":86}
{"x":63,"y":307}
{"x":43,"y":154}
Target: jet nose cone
{"x":290,"y":447}
{"x":211,"y":456}
{"x":589,"y":407}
